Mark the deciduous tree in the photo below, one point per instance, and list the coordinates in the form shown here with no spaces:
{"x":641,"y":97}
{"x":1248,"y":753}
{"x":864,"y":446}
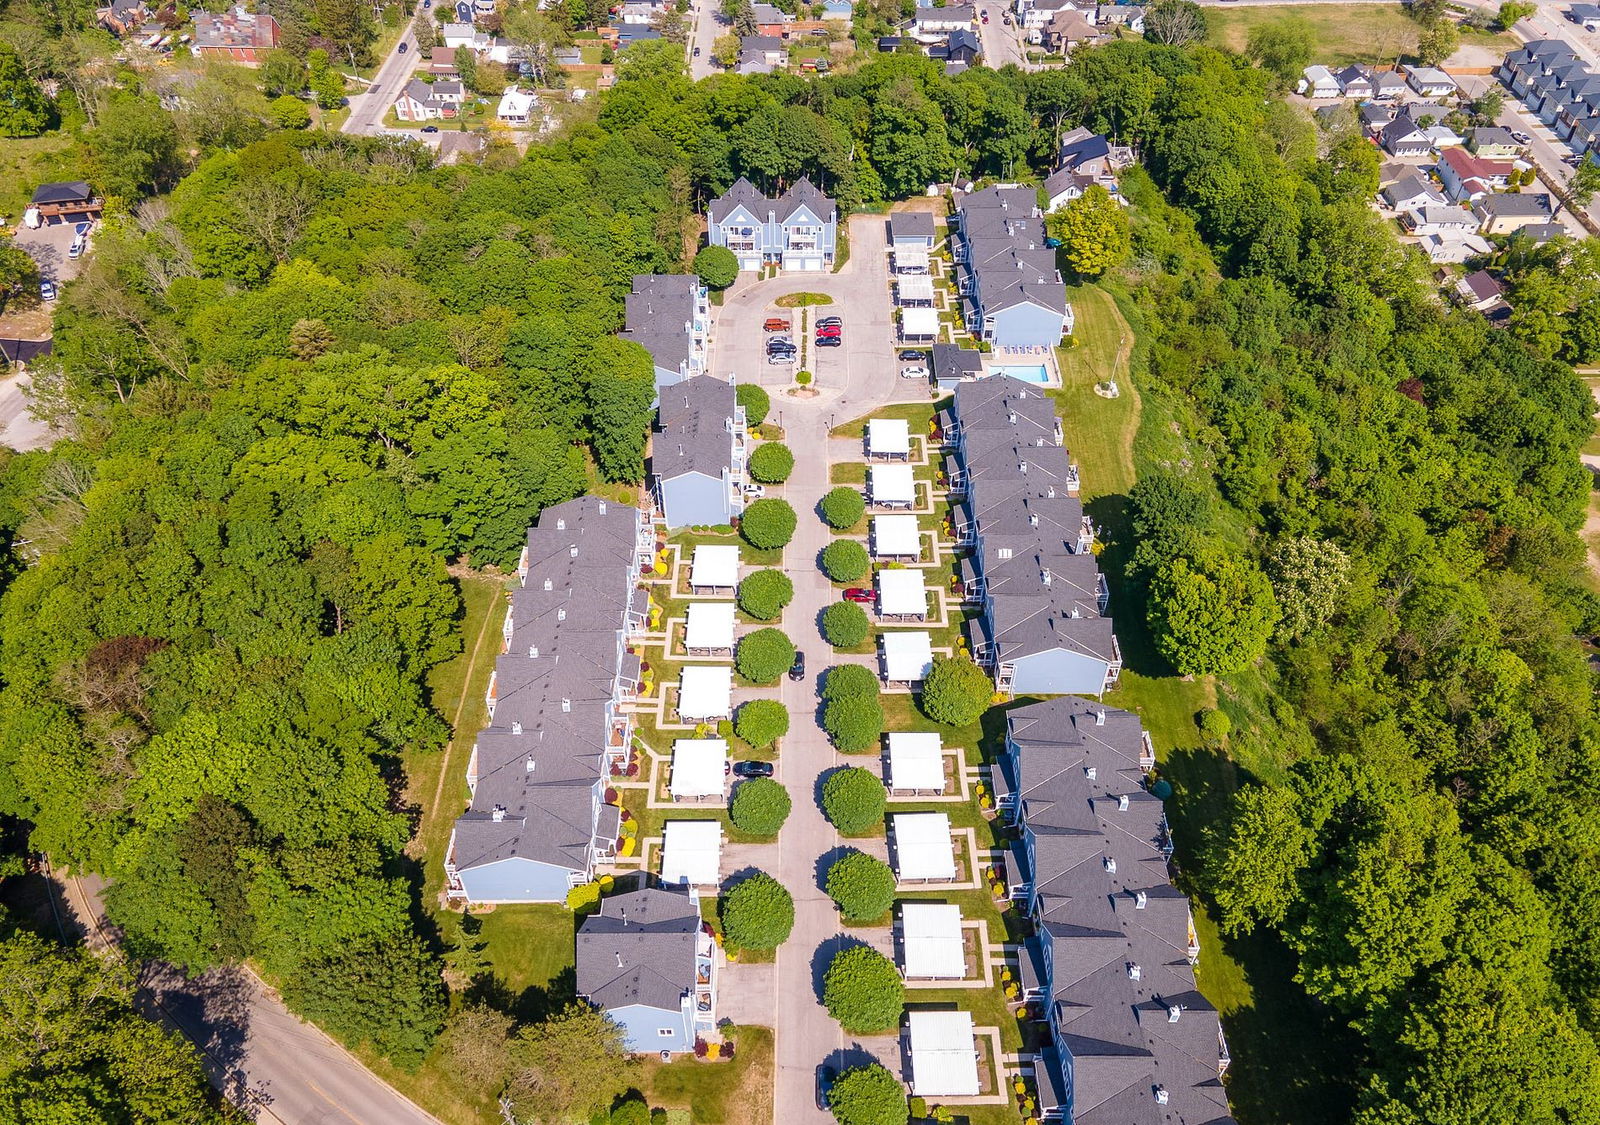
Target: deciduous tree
{"x":863,"y":991}
{"x":757,"y":913}
{"x":854,"y":800}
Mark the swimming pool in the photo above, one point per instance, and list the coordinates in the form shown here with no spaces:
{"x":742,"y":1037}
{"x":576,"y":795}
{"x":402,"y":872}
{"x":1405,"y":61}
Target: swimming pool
{"x":1027,"y":372}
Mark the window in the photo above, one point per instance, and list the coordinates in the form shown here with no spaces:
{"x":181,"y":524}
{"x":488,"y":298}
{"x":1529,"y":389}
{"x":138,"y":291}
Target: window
{"x":665,"y":1032}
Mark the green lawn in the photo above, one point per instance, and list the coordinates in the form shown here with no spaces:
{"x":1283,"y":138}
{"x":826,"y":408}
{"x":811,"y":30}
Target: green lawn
{"x":26,"y":162}
{"x":917,"y":413}
{"x":720,"y":1093}
{"x":1341,"y":33}
{"x":1099,"y":431}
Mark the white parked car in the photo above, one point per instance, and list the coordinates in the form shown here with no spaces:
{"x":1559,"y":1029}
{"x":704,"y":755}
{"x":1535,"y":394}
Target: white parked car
{"x":913,"y":373}
{"x":781,"y":357}
{"x":754,"y":491}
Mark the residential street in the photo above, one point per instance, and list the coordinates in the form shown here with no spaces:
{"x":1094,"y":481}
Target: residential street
{"x":18,"y":428}
{"x":707,"y":26}
{"x":255,"y":1050}
{"x":1002,"y":42}
{"x":853,"y":380}
{"x":367,"y":108}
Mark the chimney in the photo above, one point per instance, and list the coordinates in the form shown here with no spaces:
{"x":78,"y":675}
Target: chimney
{"x":499,"y":814}
{"x":1044,"y":576}
{"x":1100,"y":717}
{"x":602,"y":507}
{"x":572,"y":551}
{"x":516,"y":728}
{"x":1110,"y":865}
{"x":1139,"y":899}
{"x":566,"y":705}
{"x":533,"y":651}
{"x":1122,"y":802}
{"x":530,"y":764}
{"x":1090,"y":772}
{"x":1173,"y":1013}
{"x":1161,"y":1095}
{"x":561,"y":615}
{"x":561,"y":525}
{"x":1133,"y":971}
{"x":548,"y":585}
{"x":619,"y":958}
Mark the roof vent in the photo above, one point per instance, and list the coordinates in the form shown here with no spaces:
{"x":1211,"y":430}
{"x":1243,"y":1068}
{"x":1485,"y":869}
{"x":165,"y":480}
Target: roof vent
{"x":602,"y":507}
{"x":1033,"y":518}
{"x":561,"y":525}
{"x":549,"y":585}
{"x":566,"y":705}
{"x":1022,"y":466}
{"x":1174,"y":1012}
{"x":1139,"y":900}
{"x":1012,"y":416}
{"x":530,"y":763}
{"x":1111,"y":866}
{"x":499,"y":814}
{"x":1133,"y":971}
{"x":619,"y":958}
{"x":1090,"y":772}
{"x":561,"y":615}
{"x":572,"y":551}
{"x":1122,"y":802}
{"x":1050,"y":492}
{"x":533,"y":651}
{"x":516,"y":728}
{"x":1161,"y":1095}
{"x":1100,"y":717}
{"x":1038,"y":441}
{"x":1044,"y":576}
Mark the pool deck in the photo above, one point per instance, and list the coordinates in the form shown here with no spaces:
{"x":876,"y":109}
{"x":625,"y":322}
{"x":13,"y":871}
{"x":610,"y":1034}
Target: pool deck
{"x":1032,"y":364}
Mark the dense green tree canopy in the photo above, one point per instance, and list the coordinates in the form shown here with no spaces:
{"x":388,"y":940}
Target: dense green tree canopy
{"x":868,"y":1095}
{"x":764,"y":593}
{"x":845,"y":560}
{"x":862,"y":886}
{"x":764,"y":655}
{"x":772,"y":462}
{"x":956,"y":691}
{"x":842,"y":507}
{"x":1211,"y":612}
{"x":845,"y":625}
{"x":768,"y":524}
{"x":863,"y":991}
{"x":757,"y":913}
{"x":854,"y":800}
{"x":761,"y":722}
{"x":760,"y":806}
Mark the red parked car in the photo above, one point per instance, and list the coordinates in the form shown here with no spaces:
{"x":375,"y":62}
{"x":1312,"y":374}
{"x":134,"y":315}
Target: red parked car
{"x":830,"y":330}
{"x":858,"y":594}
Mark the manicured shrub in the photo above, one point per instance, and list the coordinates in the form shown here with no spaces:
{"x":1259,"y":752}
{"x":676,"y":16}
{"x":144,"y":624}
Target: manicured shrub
{"x":760,"y":806}
{"x":717,"y":266}
{"x":757,"y":913}
{"x":755,"y":400}
{"x":847,"y":680}
{"x":956,"y":691}
{"x":761,"y":722}
{"x":845,"y":625}
{"x":764,"y":656}
{"x":772,"y":462}
{"x":854,"y":800}
{"x":842,"y":507}
{"x":854,"y":722}
{"x":764,"y":593}
{"x":863,"y":991}
{"x":862,"y":886}
{"x":868,"y":1095}
{"x":843,"y":560}
{"x":768,"y":524}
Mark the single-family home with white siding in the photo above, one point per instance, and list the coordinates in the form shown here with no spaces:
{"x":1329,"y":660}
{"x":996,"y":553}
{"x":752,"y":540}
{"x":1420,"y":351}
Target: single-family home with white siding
{"x":646,"y":959}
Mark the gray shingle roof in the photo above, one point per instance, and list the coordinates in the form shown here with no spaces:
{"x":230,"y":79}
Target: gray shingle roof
{"x":639,"y":949}
{"x":743,"y":192}
{"x":659,"y":313}
{"x":911,"y":224}
{"x":695,"y":432}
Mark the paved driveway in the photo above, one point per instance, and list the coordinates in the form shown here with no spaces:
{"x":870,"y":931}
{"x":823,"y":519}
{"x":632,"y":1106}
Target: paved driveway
{"x":48,"y":247}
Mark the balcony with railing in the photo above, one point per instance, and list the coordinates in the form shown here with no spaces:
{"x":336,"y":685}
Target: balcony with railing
{"x":1102,"y":593}
{"x":1147,"y":751}
{"x":1114,"y":667}
{"x":453,"y":887}
{"x":489,"y":694}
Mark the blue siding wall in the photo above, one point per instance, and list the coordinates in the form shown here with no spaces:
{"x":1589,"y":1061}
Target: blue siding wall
{"x":666,"y":377}
{"x":695,"y":499}
{"x":516,"y":880}
{"x":1058,"y":672}
{"x":1027,"y":326}
{"x":643,"y":1027}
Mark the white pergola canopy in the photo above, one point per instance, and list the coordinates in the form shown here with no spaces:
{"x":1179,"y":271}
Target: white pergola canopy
{"x":710,"y":627}
{"x":922,"y":847}
{"x":907,"y":656}
{"x":889,"y":437}
{"x":944,"y":1059}
{"x":915,"y":286}
{"x":705,"y":692}
{"x":691,"y":853}
{"x":902,"y":593}
{"x":896,"y":536}
{"x":916,"y":761}
{"x":916,"y":324}
{"x":714,"y":565}
{"x":893,"y":484}
{"x":699,"y":767}
{"x":912,"y":258}
{"x":931,"y":935}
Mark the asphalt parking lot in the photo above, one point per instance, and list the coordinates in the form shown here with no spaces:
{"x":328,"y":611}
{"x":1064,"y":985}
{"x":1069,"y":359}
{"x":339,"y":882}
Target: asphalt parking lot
{"x":48,"y":246}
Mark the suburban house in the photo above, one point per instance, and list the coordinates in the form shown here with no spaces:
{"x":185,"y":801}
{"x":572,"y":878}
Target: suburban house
{"x":1410,"y":192}
{"x":646,"y":959}
{"x":761,"y":54}
{"x":516,"y":106}
{"x":697,"y":455}
{"x":1557,"y":86}
{"x":537,"y":823}
{"x":642,"y":12}
{"x":1525,"y":65}
{"x":1480,"y":290}
{"x":959,"y":50}
{"x":1032,"y":15}
{"x":65,"y":201}
{"x":1130,"y":16}
{"x":1065,"y":30}
{"x":1452,"y":249}
{"x":1387,"y":84}
{"x":235,"y":35}
{"x":771,"y":20}
{"x":1084,"y":158}
{"x":1012,"y":294}
{"x":1402,"y":137}
{"x":953,"y":364}
{"x":1434,"y":219}
{"x":911,"y":230}
{"x":1466,"y":177}
{"x":1493,"y":143}
{"x":442,"y":61}
{"x":1502,"y":214}
{"x":420,"y":101}
{"x":1111,"y":962}
{"x":1355,"y":82}
{"x":669,"y":315}
{"x":1430,"y":81}
{"x":799,"y":230}
{"x":1318,"y":82}
{"x":930,"y":24}
{"x":1042,"y":626}
{"x":123,"y":17}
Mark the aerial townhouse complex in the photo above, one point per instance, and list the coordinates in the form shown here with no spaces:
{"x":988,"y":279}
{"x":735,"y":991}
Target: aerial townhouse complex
{"x":1557,"y":86}
{"x":669,"y":315}
{"x":799,"y":230}
{"x":1043,"y":627}
{"x":697,"y":459}
{"x":1012,"y":293}
{"x":1112,"y":959}
{"x":538,"y":823}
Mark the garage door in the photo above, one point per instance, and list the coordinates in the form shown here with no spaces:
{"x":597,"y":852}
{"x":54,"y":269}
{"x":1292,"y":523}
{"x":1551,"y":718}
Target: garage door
{"x":802,"y":262}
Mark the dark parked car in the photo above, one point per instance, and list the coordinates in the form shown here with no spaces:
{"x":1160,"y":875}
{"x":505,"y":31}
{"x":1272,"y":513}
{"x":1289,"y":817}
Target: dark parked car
{"x":825,"y":1076}
{"x":797,"y":670}
{"x":858,"y":594}
{"x":430,"y":128}
{"x":913,"y":356}
{"x":752,"y":769}
{"x":830,"y":341}
{"x":823,"y":322}
{"x":404,"y":47}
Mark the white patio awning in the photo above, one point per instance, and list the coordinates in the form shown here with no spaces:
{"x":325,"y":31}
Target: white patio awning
{"x":902,"y":593}
{"x":893,"y":484}
{"x":699,"y":767}
{"x":889,"y":437}
{"x":913,"y":286}
{"x":922,"y":846}
{"x":896,"y":536}
{"x":907,"y":656}
{"x":911,"y":258}
{"x":916,"y":761}
{"x":691,"y":853}
{"x":710,"y":626}
{"x":944,"y":1059}
{"x":917,"y":324}
{"x":715,"y":565}
{"x":705,"y":692}
{"x":931,"y":935}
